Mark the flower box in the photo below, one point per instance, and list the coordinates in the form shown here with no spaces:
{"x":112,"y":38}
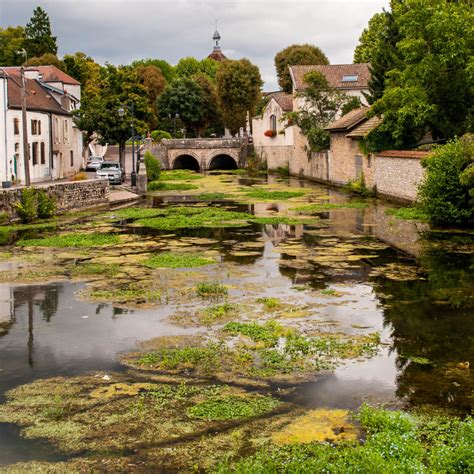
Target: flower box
{"x":270,"y":133}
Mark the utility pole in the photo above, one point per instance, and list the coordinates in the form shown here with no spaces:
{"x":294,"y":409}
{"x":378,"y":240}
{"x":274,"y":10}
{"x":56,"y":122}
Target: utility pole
{"x":26,"y":150}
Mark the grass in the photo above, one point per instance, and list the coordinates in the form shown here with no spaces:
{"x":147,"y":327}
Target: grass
{"x":408,"y":213}
{"x":179,"y":175}
{"x":160,"y":186}
{"x":321,"y":207}
{"x":72,"y":240}
{"x":210,"y":289}
{"x":177,"y":260}
{"x":215,"y":313}
{"x":395,"y":442}
{"x":269,"y":302}
{"x":232,"y":407}
{"x":267,"y":195}
{"x":95,"y":269}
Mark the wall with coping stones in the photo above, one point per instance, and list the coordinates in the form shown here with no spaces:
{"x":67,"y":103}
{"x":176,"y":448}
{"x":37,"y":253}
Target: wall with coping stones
{"x":398,"y":178}
{"x":69,"y":195}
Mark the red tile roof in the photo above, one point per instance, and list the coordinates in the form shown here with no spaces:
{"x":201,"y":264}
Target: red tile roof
{"x":403,"y":154}
{"x":37,"y":98}
{"x":348,"y":121}
{"x":285,"y":101}
{"x":49,"y":73}
{"x":334,"y":74}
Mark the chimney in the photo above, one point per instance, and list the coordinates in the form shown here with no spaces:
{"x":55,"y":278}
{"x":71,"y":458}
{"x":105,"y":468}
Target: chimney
{"x":32,"y":74}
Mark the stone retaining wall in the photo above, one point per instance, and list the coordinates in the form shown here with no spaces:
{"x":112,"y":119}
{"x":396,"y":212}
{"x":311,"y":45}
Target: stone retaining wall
{"x":69,"y":195}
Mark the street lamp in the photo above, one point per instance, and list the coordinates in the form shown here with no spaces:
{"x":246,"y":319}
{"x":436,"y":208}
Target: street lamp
{"x":175,"y":117}
{"x":121,"y":112}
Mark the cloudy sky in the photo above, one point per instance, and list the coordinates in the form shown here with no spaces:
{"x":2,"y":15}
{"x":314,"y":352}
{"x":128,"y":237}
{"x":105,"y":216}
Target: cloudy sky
{"x":120,"y":31}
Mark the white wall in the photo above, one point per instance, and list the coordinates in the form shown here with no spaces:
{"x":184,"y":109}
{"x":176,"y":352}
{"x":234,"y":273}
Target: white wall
{"x":3,"y":127}
{"x":260,"y":125}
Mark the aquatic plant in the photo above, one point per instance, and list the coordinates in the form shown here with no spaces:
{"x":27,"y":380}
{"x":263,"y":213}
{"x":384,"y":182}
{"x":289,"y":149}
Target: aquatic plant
{"x":72,"y":240}
{"x":165,"y":186}
{"x":272,"y":195}
{"x":213,"y":196}
{"x":177,"y":260}
{"x":408,"y":213}
{"x":141,"y":292}
{"x":216,"y":313}
{"x":326,"y":206}
{"x":275,"y":220}
{"x":180,"y":175}
{"x":269,"y":302}
{"x":211,"y":289}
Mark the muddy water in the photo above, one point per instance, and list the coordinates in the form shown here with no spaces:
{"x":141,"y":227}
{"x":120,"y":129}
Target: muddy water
{"x":415,"y":290}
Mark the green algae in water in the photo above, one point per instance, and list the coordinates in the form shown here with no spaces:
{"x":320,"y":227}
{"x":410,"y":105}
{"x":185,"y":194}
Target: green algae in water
{"x":179,"y":175}
{"x":408,"y":213}
{"x":211,"y":289}
{"x":95,"y":269}
{"x":321,"y":207}
{"x":232,"y":407}
{"x":134,"y":293}
{"x":265,"y":194}
{"x":177,"y":260}
{"x":277,"y":220}
{"x":160,"y":186}
{"x":72,"y":240}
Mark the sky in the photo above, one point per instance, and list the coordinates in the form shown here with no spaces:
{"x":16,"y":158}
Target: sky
{"x":120,"y":31}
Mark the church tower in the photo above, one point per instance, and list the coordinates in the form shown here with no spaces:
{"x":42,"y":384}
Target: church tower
{"x":217,"y":53}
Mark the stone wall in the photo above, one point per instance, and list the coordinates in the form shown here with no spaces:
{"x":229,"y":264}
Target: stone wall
{"x":275,"y":156}
{"x":398,"y":177}
{"x":69,"y":195}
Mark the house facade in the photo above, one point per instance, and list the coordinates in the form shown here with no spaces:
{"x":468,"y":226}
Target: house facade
{"x":55,"y":143}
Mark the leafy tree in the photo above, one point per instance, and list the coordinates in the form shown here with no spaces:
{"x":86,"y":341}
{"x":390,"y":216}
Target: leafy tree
{"x":321,"y":104}
{"x":296,"y":55}
{"x":154,"y":83}
{"x":166,"y":69}
{"x":431,"y":89}
{"x":11,"y":41}
{"x":239,"y":90}
{"x":188,"y":99}
{"x":371,"y":38}
{"x":47,"y":59}
{"x":38,"y":37}
{"x":81,"y":67}
{"x":447,"y":192}
{"x":215,"y":125}
{"x":190,"y":67}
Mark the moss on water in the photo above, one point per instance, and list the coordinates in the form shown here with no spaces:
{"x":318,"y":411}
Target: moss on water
{"x":272,"y":195}
{"x":166,"y":186}
{"x":72,"y":240}
{"x":177,"y":260}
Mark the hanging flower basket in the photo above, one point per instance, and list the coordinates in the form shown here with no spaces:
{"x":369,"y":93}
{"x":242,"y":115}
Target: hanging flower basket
{"x":270,"y":133}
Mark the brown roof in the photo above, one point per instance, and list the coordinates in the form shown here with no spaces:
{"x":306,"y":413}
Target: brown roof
{"x":217,"y":55}
{"x":334,"y":74}
{"x":285,"y":101}
{"x":348,"y":121}
{"x":49,"y":73}
{"x":365,"y":128}
{"x":37,"y":98}
{"x":403,"y":154}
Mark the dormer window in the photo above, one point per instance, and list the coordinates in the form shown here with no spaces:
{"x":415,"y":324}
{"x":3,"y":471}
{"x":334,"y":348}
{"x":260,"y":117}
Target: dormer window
{"x":350,"y":78}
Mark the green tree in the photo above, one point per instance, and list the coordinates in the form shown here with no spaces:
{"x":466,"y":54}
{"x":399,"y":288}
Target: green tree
{"x":11,"y":41}
{"x":38,"y":36}
{"x":239,"y":90}
{"x":47,"y":59}
{"x":447,"y":192}
{"x":154,"y":83}
{"x":321,"y":104}
{"x":371,"y":39}
{"x":430,"y":89}
{"x":296,"y":55}
{"x":186,"y":98}
{"x":190,"y":67}
{"x":81,"y":67}
{"x":166,"y":69}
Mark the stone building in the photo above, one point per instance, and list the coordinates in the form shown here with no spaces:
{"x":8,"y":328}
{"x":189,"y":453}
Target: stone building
{"x":55,"y":143}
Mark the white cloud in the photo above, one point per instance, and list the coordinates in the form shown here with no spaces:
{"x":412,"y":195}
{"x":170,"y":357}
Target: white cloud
{"x":120,"y":31}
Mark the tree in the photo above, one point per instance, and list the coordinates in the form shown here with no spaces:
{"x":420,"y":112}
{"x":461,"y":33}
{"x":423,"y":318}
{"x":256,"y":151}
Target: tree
{"x":186,"y":98}
{"x":154,"y":83}
{"x":190,"y":67}
{"x":11,"y":41}
{"x":38,"y":37}
{"x":47,"y":59}
{"x":239,"y":90}
{"x":82,"y":68}
{"x":321,"y":104}
{"x":371,"y":38}
{"x":166,"y":69}
{"x":295,"y":55}
{"x":431,"y":88}
{"x":447,"y":192}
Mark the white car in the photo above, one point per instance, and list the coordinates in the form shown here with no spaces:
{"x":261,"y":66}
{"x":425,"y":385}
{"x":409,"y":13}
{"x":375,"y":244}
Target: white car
{"x":93,"y":163}
{"x":112,"y":171}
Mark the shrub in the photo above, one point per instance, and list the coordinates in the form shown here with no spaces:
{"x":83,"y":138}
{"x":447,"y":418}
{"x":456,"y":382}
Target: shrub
{"x":46,"y":205}
{"x":153,"y":168}
{"x":79,"y":176}
{"x":358,"y":187}
{"x":27,"y":207}
{"x":158,"y":135}
{"x":3,"y":217}
{"x":447,"y":192}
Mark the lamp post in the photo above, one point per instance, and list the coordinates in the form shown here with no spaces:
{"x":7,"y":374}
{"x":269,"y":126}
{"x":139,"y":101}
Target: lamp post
{"x":121,"y":112}
{"x":175,"y":117}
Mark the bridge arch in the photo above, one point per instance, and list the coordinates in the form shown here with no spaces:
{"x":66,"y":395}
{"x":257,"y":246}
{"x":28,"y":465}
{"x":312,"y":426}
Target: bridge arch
{"x":186,"y":161}
{"x":222,"y":161}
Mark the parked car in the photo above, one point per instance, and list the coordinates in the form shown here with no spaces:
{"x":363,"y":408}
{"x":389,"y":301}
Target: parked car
{"x":93,"y":163}
{"x":112,"y":171}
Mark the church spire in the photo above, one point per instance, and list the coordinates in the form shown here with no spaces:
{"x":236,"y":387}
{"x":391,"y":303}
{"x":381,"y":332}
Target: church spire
{"x":217,"y":54}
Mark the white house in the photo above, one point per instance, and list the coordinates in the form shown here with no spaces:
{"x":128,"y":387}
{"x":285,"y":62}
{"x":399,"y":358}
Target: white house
{"x":55,"y":143}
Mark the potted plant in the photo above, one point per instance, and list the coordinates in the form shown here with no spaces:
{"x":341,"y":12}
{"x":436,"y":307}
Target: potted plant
{"x":270,"y":133}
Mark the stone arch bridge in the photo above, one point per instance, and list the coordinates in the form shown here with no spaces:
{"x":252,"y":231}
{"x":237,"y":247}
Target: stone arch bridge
{"x":201,"y":154}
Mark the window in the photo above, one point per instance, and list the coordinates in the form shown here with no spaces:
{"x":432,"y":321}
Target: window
{"x":39,"y":127}
{"x":72,"y":158}
{"x":56,"y":130}
{"x":358,"y":166}
{"x":34,"y":152}
{"x":66,"y":131}
{"x":273,"y":123}
{"x":350,"y":78}
{"x":369,"y":161}
{"x":36,"y":127}
{"x":16,"y":126}
{"x":43,"y":153}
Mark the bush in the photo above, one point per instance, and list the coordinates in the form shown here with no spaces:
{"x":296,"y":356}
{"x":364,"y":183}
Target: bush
{"x":447,"y":192}
{"x":79,"y":176}
{"x":27,"y":207}
{"x":158,"y":135}
{"x":153,"y":168}
{"x":46,"y":205}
